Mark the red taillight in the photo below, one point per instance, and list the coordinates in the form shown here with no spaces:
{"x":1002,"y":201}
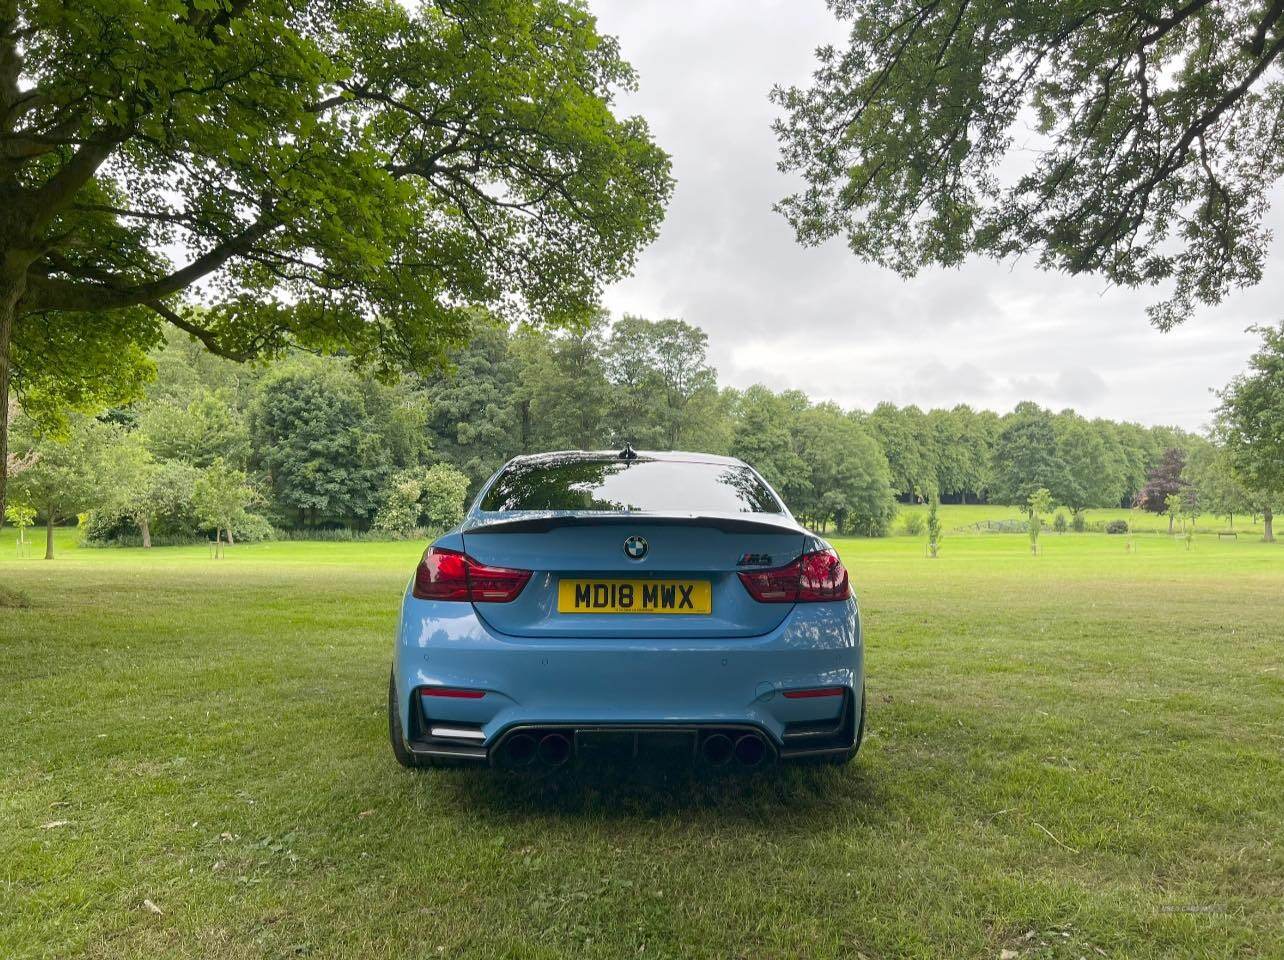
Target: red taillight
{"x":455,"y":693}
{"x":812,"y":578}
{"x":450,"y":575}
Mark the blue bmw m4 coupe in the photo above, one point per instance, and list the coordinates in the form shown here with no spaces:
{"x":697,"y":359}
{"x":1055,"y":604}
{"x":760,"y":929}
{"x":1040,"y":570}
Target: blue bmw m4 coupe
{"x":631,"y":602}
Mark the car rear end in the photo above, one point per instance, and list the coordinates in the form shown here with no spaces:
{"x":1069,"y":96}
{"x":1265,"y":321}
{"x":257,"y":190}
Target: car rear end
{"x":644,"y":602}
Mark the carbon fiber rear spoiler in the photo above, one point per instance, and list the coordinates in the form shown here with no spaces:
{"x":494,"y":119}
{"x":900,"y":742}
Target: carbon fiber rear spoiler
{"x":727,"y":523}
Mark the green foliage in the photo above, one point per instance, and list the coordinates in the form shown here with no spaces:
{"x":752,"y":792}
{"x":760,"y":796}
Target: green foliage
{"x":913,"y":524}
{"x":72,"y":472}
{"x":220,"y":496}
{"x":313,"y":436}
{"x":355,"y":177}
{"x":432,"y":498}
{"x":1078,"y":523}
{"x":207,"y":428}
{"x":445,"y":490}
{"x":21,"y":516}
{"x":933,"y":528}
{"x":1026,"y":458}
{"x":1156,"y":139}
{"x":663,"y":384}
{"x":1210,"y":475}
{"x":1116,"y":526}
{"x":1250,"y":422}
{"x":1038,"y":503}
{"x":1059,"y":522}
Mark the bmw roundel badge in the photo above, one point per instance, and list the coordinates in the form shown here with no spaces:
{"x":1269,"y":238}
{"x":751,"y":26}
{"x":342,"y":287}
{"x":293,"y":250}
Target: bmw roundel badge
{"x":635,"y":548}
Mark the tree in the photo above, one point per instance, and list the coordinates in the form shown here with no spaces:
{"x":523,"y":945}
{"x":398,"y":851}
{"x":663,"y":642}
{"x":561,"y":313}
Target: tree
{"x":933,"y":528}
{"x":765,"y":424}
{"x":349,"y":176}
{"x":1250,"y":421}
{"x":21,"y":516}
{"x":321,"y":450}
{"x":846,"y":478}
{"x":661,"y":375}
{"x":1038,"y":503}
{"x":1157,"y":138}
{"x":444,"y":492}
{"x":1026,"y":458}
{"x":69,"y":473}
{"x":564,"y":393}
{"x":433,"y":497}
{"x":163,"y":490}
{"x":905,"y":437}
{"x":1211,"y":475}
{"x":1164,"y":482}
{"x":221,"y":495}
{"x":472,"y":418}
{"x":206,"y":428}
{"x":1173,"y":504}
{"x":1094,"y":474}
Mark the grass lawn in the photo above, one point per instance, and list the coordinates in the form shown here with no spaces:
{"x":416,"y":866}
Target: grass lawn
{"x":1075,"y":755}
{"x":957,"y":518}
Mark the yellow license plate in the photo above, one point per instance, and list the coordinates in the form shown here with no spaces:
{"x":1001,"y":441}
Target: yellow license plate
{"x":634,"y":596}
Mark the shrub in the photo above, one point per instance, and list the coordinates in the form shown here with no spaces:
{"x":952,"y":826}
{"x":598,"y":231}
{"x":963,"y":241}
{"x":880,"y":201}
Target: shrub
{"x":913,"y":524}
{"x":252,"y":528}
{"x":1078,"y":523}
{"x":1059,"y":522}
{"x":1117,"y":526}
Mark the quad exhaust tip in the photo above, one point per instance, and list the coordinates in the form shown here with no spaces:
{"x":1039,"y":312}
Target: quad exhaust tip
{"x":521,"y":749}
{"x":550,"y":748}
{"x":751,"y":750}
{"x":717,"y":749}
{"x":554,"y":749}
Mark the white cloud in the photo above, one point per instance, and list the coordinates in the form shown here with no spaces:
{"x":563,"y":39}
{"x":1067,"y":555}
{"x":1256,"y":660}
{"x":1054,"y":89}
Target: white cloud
{"x":819,"y":319}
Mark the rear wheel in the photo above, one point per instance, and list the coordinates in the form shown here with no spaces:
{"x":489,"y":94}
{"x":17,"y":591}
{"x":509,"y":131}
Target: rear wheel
{"x":404,"y":756}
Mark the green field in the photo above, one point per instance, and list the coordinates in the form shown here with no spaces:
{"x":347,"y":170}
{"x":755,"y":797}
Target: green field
{"x":957,"y":518}
{"x":1075,"y":755}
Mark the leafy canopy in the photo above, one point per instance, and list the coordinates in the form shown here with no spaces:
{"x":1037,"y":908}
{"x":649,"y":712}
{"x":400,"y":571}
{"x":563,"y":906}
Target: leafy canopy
{"x":337,"y":174}
{"x":1250,"y":421}
{"x":1136,"y":141}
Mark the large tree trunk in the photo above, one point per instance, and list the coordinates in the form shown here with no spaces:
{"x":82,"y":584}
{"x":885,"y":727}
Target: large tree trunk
{"x":49,"y":524}
{"x":1269,"y":532}
{"x":146,"y":528}
{"x":8,"y":306}
{"x":230,"y":541}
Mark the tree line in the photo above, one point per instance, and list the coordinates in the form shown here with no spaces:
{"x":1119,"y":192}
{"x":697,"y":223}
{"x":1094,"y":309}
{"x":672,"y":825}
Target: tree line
{"x":315,"y":443}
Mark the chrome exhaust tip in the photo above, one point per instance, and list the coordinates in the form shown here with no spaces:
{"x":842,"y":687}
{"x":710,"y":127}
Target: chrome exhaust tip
{"x":716,"y":749}
{"x":554,"y":749}
{"x":751,"y":750}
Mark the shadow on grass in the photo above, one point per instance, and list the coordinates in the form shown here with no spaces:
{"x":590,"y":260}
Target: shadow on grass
{"x":788,"y":797}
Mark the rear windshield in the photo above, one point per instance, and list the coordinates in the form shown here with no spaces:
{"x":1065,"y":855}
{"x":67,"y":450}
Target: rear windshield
{"x":645,"y":485}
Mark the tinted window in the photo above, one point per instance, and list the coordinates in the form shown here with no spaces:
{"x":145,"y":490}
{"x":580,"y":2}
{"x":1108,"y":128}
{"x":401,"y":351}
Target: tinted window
{"x":646,"y":485}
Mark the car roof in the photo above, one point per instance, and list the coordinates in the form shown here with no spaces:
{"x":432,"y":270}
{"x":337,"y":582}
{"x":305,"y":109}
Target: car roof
{"x":672,"y":456}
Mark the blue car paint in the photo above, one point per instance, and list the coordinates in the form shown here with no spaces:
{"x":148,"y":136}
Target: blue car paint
{"x":613,"y":669}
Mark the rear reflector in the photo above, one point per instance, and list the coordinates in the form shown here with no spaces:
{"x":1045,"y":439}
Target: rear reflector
{"x":814,"y":692}
{"x":813,"y":578}
{"x":450,"y":575}
{"x":457,"y":693}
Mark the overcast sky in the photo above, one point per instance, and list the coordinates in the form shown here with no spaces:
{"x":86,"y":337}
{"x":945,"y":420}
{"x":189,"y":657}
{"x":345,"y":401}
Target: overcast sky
{"x":819,"y":319}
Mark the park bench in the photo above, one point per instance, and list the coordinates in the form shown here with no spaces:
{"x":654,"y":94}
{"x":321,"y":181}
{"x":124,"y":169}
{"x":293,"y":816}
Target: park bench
{"x":1227,"y":533}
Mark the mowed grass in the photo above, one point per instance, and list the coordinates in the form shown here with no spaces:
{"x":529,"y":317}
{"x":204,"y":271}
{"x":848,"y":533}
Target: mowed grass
{"x":1075,"y":755}
{"x":958,"y":517}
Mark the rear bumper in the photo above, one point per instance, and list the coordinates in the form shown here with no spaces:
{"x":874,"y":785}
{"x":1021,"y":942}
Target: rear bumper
{"x":634,"y":688}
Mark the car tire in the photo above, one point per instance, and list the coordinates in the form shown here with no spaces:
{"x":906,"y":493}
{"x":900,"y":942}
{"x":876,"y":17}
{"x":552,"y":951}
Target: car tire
{"x":404,"y":756}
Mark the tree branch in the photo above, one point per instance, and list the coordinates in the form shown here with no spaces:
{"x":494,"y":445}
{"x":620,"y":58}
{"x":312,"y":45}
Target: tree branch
{"x":51,"y":293}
